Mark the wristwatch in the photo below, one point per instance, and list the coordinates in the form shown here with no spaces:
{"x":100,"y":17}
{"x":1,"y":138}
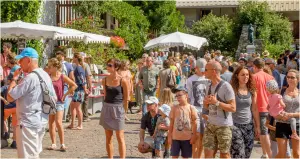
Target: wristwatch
{"x":217,"y":104}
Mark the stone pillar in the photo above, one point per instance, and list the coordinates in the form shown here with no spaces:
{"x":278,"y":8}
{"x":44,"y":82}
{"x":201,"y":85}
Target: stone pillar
{"x":108,"y":21}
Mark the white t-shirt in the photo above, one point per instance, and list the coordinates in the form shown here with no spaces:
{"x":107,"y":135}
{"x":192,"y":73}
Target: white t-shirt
{"x":196,"y":87}
{"x":28,"y":94}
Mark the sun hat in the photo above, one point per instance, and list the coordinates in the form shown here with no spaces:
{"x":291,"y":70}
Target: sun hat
{"x":266,"y":53}
{"x":272,"y":86}
{"x":152,"y":100}
{"x":165,"y":109}
{"x":28,"y":52}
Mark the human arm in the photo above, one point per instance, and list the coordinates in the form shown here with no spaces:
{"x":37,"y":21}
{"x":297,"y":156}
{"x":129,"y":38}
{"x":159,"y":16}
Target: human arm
{"x":125,"y":92}
{"x":271,"y":127}
{"x":16,"y":94}
{"x":4,"y":100}
{"x":71,"y":76}
{"x":170,"y":138}
{"x":72,"y":86}
{"x":194,"y":125}
{"x":282,"y":103}
{"x":255,"y":114}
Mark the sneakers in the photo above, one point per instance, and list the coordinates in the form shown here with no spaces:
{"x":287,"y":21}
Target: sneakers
{"x":13,"y":145}
{"x":264,"y":156}
{"x":63,"y":148}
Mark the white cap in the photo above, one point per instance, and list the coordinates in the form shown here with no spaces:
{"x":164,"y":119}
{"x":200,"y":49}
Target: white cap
{"x":165,"y":109}
{"x":152,"y":100}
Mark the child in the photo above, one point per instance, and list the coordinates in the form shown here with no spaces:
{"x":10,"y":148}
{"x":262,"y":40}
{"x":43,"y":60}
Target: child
{"x":276,"y":106}
{"x":183,"y":125}
{"x":161,"y":129}
{"x":9,"y":109}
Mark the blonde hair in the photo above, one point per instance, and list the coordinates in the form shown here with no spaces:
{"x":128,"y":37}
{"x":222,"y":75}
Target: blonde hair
{"x":79,"y":58}
{"x":167,"y":97}
{"x":296,"y":72}
{"x":54,"y":62}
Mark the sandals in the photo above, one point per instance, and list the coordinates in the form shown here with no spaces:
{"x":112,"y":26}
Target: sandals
{"x":52,"y":147}
{"x":63,"y":148}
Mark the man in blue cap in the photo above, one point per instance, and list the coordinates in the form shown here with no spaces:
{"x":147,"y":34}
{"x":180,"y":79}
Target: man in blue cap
{"x":28,"y":95}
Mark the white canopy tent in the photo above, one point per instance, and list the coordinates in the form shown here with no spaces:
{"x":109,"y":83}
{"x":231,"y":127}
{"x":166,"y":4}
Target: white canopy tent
{"x":177,"y":39}
{"x":95,"y":38}
{"x":30,"y":31}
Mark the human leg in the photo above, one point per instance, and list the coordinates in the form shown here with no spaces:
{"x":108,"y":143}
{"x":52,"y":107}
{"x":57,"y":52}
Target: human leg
{"x":109,"y":144}
{"x":175,"y":148}
{"x":248,"y":135}
{"x":282,"y":145}
{"x":237,"y":149}
{"x":224,"y":137}
{"x":60,"y":129}
{"x":264,"y":137}
{"x":209,"y":141}
{"x":52,"y":131}
{"x":295,"y":147}
{"x":121,"y":142}
{"x":274,"y":148}
{"x":79,"y":114}
{"x":84,"y":107}
{"x":73,"y":114}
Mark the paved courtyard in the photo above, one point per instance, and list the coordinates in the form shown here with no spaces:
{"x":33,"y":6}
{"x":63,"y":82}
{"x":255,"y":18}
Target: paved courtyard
{"x":90,"y":142}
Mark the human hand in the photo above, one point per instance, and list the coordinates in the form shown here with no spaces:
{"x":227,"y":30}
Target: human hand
{"x":213,"y":99}
{"x":206,"y":100}
{"x":63,"y":98}
{"x":17,"y":74}
{"x":86,"y":91}
{"x":193,"y":139}
{"x":257,"y":132}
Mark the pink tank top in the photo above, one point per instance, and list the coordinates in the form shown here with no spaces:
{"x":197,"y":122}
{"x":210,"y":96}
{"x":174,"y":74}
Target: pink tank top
{"x":59,"y":88}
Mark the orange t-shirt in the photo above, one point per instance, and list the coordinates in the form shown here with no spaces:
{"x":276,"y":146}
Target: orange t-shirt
{"x":184,"y":117}
{"x":261,"y":78}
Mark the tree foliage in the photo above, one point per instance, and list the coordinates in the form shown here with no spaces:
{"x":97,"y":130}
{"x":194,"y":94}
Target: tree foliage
{"x":162,"y":15}
{"x":14,"y":10}
{"x":270,"y":26}
{"x":133,"y":24}
{"x":217,"y":30}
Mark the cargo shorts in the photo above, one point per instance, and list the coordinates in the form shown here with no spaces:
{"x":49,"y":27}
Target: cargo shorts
{"x":217,"y":137}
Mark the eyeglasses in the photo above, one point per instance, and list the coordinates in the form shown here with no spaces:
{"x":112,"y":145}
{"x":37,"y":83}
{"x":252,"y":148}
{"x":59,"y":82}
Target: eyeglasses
{"x":109,"y":65}
{"x":268,"y":63}
{"x":290,"y":77}
{"x":179,"y":95}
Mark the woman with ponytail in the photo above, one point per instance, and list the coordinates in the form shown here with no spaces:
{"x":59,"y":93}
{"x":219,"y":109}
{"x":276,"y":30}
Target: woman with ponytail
{"x":78,"y":97}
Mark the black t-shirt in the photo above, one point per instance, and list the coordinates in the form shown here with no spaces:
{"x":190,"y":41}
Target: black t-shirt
{"x":149,"y":122}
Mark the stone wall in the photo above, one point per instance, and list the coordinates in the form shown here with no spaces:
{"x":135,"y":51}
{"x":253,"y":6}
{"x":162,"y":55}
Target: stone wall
{"x":243,"y":42}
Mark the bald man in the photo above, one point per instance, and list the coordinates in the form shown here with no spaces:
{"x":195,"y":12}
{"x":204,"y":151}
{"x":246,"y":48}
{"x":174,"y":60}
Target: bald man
{"x":220,"y":102}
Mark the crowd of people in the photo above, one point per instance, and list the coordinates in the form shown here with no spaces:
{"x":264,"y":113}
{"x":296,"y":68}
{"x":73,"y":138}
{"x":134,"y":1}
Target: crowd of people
{"x":188,"y":106}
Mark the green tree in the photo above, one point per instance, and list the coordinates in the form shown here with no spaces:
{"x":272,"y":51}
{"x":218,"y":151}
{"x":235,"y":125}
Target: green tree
{"x":162,"y":15}
{"x":133,"y":24}
{"x":270,"y":26}
{"x":217,"y":30}
{"x":14,"y":10}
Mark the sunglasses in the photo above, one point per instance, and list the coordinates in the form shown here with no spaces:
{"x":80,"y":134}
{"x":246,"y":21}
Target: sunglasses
{"x":209,"y":69}
{"x":109,"y":65}
{"x":268,"y":63}
{"x":290,"y":77}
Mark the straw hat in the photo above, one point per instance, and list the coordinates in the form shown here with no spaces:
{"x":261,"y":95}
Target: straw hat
{"x":266,"y":53}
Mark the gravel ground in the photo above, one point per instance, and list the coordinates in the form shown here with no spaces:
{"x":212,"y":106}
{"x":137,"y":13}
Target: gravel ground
{"x":90,"y":142}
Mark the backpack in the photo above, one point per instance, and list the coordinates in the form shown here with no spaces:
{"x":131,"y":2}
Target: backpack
{"x":49,"y":101}
{"x":216,"y":92}
{"x":171,"y":82}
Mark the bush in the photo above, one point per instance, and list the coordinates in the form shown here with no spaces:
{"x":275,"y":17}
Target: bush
{"x":217,"y":30}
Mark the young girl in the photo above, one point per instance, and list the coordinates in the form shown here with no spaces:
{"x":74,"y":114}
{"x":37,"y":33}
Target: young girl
{"x":167,"y":97}
{"x":78,"y":97}
{"x":276,"y":106}
{"x":55,"y":120}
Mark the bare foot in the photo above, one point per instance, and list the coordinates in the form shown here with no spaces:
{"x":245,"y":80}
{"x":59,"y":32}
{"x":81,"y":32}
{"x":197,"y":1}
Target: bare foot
{"x":70,"y":127}
{"x":78,"y":128}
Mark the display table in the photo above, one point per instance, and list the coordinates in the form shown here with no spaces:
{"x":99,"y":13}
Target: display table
{"x":95,"y":104}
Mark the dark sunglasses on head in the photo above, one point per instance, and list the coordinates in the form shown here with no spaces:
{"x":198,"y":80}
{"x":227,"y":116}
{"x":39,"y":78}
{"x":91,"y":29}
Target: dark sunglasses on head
{"x":268,"y":63}
{"x":109,"y":65}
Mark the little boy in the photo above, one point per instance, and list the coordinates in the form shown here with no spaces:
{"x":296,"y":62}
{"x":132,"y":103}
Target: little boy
{"x":161,"y":129}
{"x":9,"y":109}
{"x":183,"y":125}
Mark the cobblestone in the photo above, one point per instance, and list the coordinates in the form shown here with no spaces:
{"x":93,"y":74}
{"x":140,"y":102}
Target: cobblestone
{"x":90,"y":142}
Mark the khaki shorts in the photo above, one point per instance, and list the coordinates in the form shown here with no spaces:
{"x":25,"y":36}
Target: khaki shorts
{"x":217,"y":137}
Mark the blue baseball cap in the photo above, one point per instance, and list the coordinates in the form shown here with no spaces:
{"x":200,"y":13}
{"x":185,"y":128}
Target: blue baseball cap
{"x":28,"y":52}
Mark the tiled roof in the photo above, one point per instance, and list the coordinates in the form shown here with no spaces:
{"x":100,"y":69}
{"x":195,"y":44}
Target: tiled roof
{"x":276,"y":5}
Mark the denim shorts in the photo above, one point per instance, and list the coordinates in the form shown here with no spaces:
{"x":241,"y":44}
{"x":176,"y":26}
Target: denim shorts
{"x":59,"y":107}
{"x":159,"y":142}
